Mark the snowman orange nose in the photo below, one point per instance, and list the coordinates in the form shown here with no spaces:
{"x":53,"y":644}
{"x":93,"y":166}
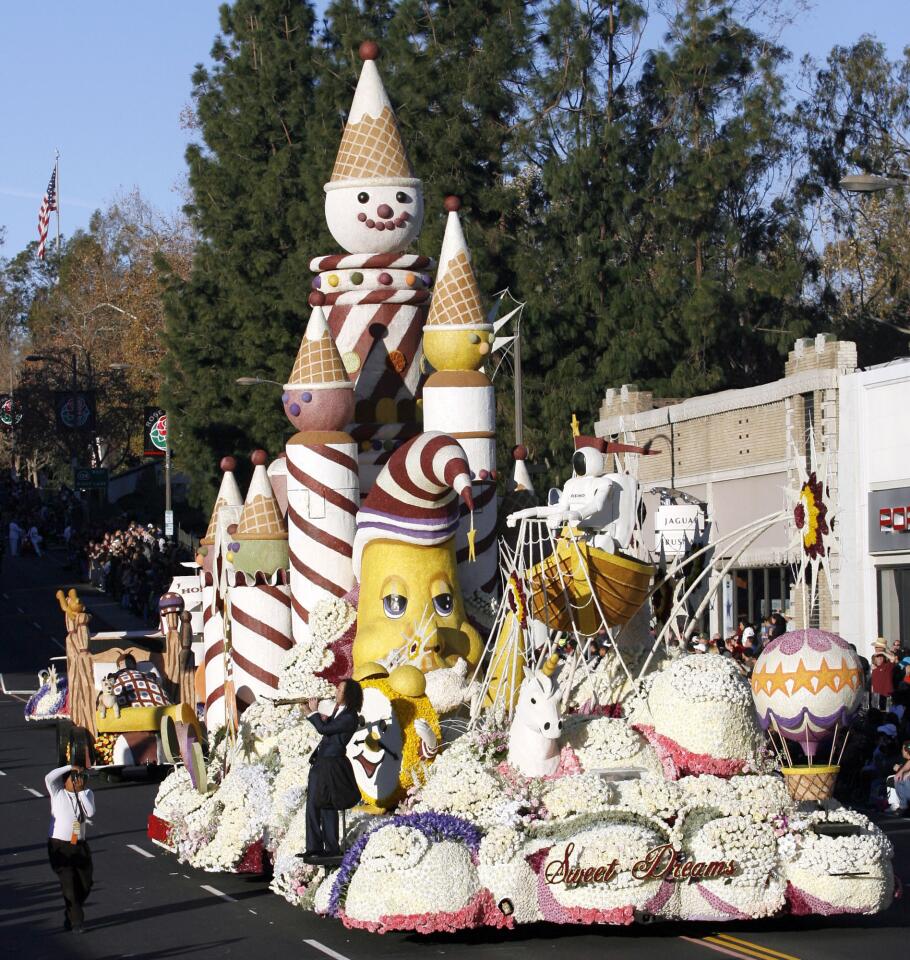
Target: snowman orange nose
{"x":384,"y":211}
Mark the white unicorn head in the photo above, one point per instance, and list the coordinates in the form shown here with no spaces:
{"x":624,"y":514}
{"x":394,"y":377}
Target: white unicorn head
{"x":537,"y":725}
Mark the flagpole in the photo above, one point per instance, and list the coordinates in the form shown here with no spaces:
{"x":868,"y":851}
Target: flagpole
{"x":57,"y":181}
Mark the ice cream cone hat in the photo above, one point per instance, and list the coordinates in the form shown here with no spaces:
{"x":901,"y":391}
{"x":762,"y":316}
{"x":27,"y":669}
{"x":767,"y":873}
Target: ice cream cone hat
{"x":228,"y":496}
{"x":318,"y":365}
{"x":371,"y":148}
{"x":415,"y":498}
{"x":261,"y":517}
{"x":456,"y":296}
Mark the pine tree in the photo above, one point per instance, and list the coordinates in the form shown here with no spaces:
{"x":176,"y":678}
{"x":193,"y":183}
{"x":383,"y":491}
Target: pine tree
{"x":257,"y":205}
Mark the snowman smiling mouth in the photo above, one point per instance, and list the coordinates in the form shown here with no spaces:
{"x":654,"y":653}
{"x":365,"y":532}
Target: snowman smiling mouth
{"x":388,"y":224}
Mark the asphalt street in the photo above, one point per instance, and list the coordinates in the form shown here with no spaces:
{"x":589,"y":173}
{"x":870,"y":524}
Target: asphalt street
{"x":146,"y":905}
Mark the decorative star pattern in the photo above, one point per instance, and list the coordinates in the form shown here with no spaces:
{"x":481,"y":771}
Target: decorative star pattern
{"x":814,"y":680}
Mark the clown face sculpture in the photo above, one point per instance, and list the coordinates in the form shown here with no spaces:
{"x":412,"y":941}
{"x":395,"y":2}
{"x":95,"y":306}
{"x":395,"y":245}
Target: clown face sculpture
{"x":374,"y":216}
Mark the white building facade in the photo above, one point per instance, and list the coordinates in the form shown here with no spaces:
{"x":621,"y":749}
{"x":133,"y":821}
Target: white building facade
{"x":874,"y":519}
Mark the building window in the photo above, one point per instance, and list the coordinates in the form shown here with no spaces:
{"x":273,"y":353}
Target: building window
{"x":894,"y":604}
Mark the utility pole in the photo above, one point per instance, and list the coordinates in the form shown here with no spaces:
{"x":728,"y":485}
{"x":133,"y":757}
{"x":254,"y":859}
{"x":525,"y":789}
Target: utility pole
{"x":168,"y":512}
{"x":516,"y":360}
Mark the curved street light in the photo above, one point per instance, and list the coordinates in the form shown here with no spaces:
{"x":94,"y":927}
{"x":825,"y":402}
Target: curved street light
{"x":869,"y":183}
{"x":253,"y":381}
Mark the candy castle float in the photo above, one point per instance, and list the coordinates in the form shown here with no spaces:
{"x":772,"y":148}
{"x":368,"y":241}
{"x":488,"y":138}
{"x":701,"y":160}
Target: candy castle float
{"x":552,"y":763}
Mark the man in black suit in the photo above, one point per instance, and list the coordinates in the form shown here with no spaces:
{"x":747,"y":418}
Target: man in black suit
{"x":331,"y":785}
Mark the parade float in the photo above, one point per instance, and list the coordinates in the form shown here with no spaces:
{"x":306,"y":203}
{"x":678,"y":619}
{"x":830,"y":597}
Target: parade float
{"x":529,"y":747}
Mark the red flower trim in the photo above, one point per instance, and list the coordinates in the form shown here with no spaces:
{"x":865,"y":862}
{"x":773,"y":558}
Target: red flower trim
{"x":556,"y":912}
{"x":479,"y":911}
{"x":678,"y":762}
{"x":803,"y":904}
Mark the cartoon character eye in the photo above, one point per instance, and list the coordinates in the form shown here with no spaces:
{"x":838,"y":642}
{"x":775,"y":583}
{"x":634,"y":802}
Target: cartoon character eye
{"x":444,"y":604}
{"x":394,"y":605}
{"x":363,"y":197}
{"x":403,"y":197}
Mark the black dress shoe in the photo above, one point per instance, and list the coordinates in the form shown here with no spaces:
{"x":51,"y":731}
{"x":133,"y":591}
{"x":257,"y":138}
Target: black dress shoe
{"x":66,"y":923}
{"x":312,"y":857}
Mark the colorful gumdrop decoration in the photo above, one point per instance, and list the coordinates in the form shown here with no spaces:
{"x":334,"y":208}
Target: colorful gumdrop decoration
{"x":807,"y":686}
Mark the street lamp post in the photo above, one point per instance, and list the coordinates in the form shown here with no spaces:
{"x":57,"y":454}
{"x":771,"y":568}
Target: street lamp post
{"x":869,"y":183}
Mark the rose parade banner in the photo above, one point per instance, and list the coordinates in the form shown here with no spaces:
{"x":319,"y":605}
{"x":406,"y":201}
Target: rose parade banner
{"x":75,"y":409}
{"x":155,"y":443}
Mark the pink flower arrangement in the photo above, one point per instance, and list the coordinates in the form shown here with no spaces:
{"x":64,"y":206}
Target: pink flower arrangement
{"x":678,"y":762}
{"x":480,"y":911}
{"x":557,"y":912}
{"x":802,"y":904}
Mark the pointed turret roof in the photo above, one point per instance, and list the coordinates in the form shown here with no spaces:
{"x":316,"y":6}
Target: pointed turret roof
{"x":228,"y":495}
{"x":261,"y":517}
{"x":456,"y":296}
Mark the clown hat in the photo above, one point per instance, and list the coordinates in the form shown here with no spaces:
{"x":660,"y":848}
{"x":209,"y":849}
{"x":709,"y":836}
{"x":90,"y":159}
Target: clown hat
{"x":456,"y":296}
{"x":261,"y":518}
{"x":318,"y":364}
{"x":415,"y":498}
{"x":228,"y":496}
{"x":371,"y":146}
{"x":521,"y":476}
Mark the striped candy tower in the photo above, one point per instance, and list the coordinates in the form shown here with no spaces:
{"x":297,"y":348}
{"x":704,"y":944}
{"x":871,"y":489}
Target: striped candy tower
{"x":322,"y":485}
{"x":375,"y":295}
{"x":260,"y":596}
{"x":214,"y":659}
{"x":458,"y":398}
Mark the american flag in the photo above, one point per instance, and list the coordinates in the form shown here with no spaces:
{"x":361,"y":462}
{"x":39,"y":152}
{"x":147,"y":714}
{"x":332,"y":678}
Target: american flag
{"x":48,"y":205}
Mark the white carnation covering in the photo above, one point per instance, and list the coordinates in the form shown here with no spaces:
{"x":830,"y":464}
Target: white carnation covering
{"x":402,"y":872}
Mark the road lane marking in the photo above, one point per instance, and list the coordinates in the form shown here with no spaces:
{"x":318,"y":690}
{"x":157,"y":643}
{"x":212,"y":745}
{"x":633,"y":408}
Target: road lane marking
{"x":20,"y":609}
{"x":253,"y":912}
{"x":139,"y":850}
{"x":717,"y":949}
{"x":2,"y":774}
{"x":217,"y":893}
{"x":328,"y":951}
{"x":34,"y":792}
{"x":727,"y":938}
{"x":37,"y":625}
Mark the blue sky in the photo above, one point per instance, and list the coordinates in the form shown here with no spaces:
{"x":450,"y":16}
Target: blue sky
{"x":105,"y":81}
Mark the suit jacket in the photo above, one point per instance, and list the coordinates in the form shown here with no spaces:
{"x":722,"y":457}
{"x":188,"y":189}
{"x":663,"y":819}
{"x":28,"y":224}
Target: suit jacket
{"x":336,"y":732}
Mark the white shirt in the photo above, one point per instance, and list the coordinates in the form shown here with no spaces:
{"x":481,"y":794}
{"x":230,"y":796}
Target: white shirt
{"x":65,"y":805}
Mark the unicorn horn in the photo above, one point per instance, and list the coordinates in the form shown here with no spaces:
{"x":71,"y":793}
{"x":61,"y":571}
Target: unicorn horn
{"x":549,"y":667}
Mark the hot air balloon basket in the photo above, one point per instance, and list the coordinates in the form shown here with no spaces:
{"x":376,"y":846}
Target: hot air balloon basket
{"x":810,"y":783}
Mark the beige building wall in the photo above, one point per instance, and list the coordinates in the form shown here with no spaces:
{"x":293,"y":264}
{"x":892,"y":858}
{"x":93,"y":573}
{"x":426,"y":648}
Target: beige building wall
{"x":739,"y":451}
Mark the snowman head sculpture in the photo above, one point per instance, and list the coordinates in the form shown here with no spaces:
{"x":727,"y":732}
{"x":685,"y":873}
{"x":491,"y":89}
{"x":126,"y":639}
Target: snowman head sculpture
{"x":373,"y":202}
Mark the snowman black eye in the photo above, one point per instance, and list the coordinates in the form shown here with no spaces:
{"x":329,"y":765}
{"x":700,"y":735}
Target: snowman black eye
{"x":403,"y":197}
{"x":363,"y":197}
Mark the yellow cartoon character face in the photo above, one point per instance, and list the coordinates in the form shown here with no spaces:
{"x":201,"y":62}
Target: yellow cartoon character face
{"x":410,"y":602}
{"x":457,"y":347}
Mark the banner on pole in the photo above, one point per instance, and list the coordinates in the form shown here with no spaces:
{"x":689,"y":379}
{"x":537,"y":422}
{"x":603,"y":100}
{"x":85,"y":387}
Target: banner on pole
{"x":75,"y":409}
{"x":155,"y":444}
{"x":10,"y":411}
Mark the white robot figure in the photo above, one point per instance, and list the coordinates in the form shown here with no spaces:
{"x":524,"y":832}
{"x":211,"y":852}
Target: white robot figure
{"x":604,"y":506}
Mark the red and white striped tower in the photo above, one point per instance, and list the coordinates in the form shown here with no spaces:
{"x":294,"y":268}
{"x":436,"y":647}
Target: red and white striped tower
{"x":214,"y":653}
{"x":323,"y":490}
{"x":260,"y":596}
{"x":375,"y":295}
{"x":458,"y":399}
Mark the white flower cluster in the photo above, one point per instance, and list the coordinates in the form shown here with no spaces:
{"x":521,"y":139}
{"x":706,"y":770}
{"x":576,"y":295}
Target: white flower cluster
{"x":651,"y":796}
{"x":238,"y":811}
{"x":391,"y":849}
{"x":330,"y":618}
{"x":500,"y":845}
{"x":177,"y":797}
{"x":298,"y":671}
{"x":460,"y":785}
{"x":443,"y":880}
{"x":599,"y":847}
{"x":449,"y":687}
{"x":582,"y":793}
{"x":850,"y":871}
{"x":602,"y":743}
{"x":758,"y":797}
{"x":704,"y":704}
{"x":753,"y":846}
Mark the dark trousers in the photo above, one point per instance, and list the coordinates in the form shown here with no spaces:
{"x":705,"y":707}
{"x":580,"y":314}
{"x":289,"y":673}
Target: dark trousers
{"x":321,"y":829}
{"x":72,"y":862}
